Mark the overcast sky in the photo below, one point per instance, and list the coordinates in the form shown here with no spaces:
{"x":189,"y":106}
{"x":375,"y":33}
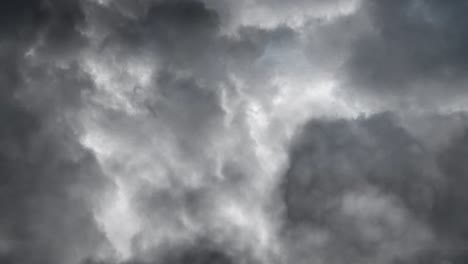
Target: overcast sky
{"x":233,"y":132}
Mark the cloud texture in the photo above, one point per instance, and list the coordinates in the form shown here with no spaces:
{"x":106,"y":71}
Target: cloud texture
{"x":230,"y":132}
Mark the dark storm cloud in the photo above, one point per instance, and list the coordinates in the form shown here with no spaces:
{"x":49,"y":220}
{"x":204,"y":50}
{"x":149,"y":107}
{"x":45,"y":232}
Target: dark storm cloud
{"x":332,"y":159}
{"x":51,"y":26}
{"x":415,"y":51}
{"x":48,"y":182}
{"x":174,"y":99}
{"x":185,"y":26}
{"x":201,"y":252}
{"x":48,"y":186}
{"x":186,"y":36}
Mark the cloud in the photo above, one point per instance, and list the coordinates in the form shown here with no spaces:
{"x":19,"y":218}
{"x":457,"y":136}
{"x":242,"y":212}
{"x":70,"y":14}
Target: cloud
{"x":181,"y":135}
{"x":370,"y":190}
{"x":232,"y":131}
{"x":201,"y":253}
{"x":273,"y":14}
{"x":49,"y":184}
{"x":413,"y":53}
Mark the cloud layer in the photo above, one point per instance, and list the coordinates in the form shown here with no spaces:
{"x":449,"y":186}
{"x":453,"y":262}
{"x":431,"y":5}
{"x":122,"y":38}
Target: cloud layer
{"x":157,"y":131}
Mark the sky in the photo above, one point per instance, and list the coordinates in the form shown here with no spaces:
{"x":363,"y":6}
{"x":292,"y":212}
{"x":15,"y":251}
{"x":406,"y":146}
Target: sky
{"x":233,"y":132}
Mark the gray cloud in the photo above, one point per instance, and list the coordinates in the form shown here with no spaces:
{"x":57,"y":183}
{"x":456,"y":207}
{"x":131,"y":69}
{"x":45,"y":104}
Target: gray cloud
{"x":413,"y":53}
{"x":48,"y":183}
{"x":179,"y":143}
{"x":157,"y":131}
{"x":403,"y":194}
{"x":199,"y":254}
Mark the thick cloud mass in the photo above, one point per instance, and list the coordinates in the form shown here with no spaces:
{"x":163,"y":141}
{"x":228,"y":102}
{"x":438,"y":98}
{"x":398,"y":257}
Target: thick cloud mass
{"x":416,"y":50}
{"x":233,"y":132}
{"x":376,"y":190}
{"x":49,"y":182}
